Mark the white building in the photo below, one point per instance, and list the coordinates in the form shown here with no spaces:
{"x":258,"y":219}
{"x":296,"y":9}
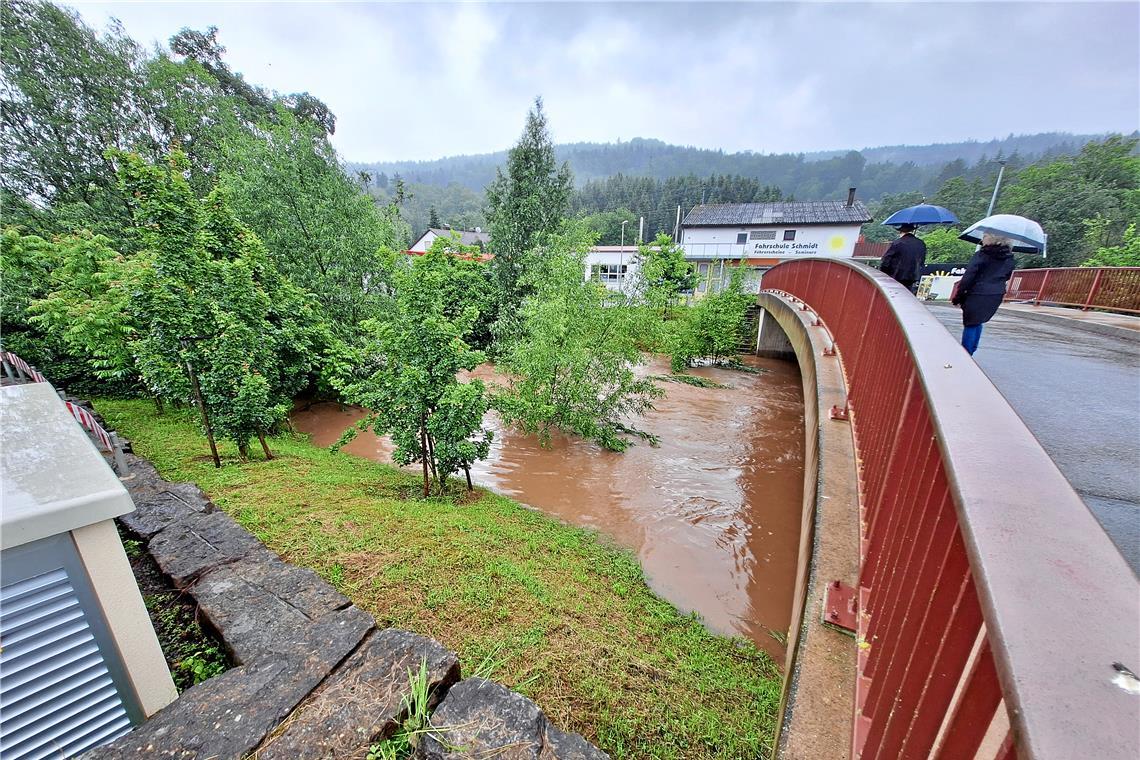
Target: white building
{"x":466,"y":237}
{"x":761,"y":235}
{"x":614,"y":266}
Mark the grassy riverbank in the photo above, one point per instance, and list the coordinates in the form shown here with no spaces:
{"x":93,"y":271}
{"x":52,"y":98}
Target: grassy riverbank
{"x":545,"y":608}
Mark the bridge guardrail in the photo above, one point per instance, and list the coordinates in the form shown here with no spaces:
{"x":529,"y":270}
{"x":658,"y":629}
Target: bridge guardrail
{"x":992,"y":610}
{"x":14,"y":366}
{"x":1111,"y":288}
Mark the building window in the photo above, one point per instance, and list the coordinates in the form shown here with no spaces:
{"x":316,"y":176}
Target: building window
{"x":762,"y":235}
{"x":702,"y":277}
{"x":742,"y":238}
{"x":608,"y":273}
{"x":789,"y":234}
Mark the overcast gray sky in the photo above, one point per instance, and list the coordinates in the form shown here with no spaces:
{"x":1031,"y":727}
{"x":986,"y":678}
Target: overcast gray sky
{"x":419,"y":81}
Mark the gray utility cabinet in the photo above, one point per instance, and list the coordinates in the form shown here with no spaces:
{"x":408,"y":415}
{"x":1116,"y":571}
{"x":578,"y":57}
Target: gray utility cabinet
{"x":79,"y":661}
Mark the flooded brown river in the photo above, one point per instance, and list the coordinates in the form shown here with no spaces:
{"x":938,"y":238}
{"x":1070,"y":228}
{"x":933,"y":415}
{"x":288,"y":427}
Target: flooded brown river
{"x":713,"y":513}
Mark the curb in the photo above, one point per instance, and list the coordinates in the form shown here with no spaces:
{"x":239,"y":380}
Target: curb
{"x":1122,"y":333}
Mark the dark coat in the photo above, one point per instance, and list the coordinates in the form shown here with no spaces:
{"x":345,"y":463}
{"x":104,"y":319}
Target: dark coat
{"x":904,"y":259}
{"x":981,"y":289}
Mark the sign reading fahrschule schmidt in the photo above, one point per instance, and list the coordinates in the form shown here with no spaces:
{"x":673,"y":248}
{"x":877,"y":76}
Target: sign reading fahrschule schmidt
{"x":785,"y":248}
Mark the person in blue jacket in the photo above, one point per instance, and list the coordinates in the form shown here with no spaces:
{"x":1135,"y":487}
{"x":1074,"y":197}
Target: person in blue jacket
{"x":982,"y":287}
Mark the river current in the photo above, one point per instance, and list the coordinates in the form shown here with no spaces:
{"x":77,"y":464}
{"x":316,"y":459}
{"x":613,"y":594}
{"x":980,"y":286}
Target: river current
{"x":713,"y":512}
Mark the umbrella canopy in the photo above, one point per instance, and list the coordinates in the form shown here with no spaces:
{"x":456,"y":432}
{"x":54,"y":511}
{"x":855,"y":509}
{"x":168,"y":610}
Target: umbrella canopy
{"x":1027,"y":234}
{"x":923,"y":213}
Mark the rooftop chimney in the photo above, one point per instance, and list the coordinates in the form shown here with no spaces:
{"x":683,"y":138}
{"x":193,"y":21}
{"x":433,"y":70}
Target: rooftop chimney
{"x":850,"y":197}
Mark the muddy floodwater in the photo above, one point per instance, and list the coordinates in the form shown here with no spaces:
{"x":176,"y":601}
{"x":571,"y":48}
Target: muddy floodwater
{"x":713,"y":513}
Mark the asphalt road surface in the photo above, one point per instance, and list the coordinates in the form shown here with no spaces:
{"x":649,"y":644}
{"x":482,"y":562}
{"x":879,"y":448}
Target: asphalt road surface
{"x":1079,"y":392}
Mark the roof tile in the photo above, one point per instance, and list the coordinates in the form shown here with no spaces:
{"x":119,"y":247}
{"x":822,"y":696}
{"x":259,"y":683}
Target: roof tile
{"x":781,"y":212}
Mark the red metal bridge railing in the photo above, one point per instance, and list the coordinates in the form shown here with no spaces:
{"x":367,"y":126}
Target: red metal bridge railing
{"x":995,"y":617}
{"x":1111,"y":288}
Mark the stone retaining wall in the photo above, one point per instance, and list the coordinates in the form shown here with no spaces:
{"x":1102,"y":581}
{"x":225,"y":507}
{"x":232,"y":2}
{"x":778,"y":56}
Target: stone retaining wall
{"x":313,"y":676}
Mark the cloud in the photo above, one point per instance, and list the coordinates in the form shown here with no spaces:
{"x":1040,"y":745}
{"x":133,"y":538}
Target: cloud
{"x":417,"y":81}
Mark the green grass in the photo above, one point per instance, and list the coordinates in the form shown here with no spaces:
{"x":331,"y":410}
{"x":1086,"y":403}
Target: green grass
{"x":550,"y":610}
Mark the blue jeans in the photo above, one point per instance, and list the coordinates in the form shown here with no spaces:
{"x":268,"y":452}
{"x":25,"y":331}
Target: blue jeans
{"x":971,"y":334}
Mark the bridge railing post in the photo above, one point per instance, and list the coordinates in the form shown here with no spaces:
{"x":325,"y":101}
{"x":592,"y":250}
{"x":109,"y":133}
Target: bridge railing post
{"x":1041,"y":288}
{"x":1093,"y":290}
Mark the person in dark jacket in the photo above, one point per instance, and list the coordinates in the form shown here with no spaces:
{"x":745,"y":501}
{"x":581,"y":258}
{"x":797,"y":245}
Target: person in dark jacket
{"x":982,"y":287}
{"x":905,"y":258}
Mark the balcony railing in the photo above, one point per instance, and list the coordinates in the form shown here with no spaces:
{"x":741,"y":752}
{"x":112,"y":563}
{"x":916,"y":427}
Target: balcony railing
{"x":715,"y":251}
{"x":994,"y":613}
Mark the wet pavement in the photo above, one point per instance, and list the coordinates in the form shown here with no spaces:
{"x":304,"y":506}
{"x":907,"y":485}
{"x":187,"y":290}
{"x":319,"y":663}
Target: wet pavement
{"x":713,"y":512}
{"x":1079,"y":393}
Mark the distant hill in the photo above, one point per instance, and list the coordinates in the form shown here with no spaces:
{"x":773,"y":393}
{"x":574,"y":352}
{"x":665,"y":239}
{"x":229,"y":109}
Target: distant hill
{"x":1038,"y":145}
{"x":876,"y":171}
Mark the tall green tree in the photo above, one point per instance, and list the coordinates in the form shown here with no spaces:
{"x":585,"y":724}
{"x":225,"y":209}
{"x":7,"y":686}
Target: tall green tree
{"x":211,"y":308}
{"x":607,"y":226}
{"x":406,"y":373}
{"x":663,"y":274}
{"x":714,"y":328}
{"x":86,"y":304}
{"x":1102,"y":181}
{"x":524,"y":203}
{"x":31,"y":267}
{"x":198,"y":313}
{"x":66,"y":95}
{"x":321,"y":230}
{"x":572,"y":367}
{"x":944,"y":247}
{"x":268,"y":338}
{"x":466,"y":287}
{"x":1126,"y":254}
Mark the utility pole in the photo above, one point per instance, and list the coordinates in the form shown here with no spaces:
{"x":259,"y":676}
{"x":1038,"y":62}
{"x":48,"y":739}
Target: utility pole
{"x":997,"y":188}
{"x":621,"y":257}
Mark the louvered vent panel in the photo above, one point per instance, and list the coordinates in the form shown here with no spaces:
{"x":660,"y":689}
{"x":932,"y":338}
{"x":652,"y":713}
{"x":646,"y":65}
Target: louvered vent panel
{"x":56,"y":695}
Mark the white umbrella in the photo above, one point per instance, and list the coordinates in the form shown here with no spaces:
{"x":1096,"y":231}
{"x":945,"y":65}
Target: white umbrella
{"x":1027,"y":234}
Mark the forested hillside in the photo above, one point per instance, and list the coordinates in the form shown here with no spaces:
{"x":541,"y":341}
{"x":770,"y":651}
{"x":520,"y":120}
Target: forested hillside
{"x":879,"y":170}
{"x":1086,"y":201}
{"x":650,"y":178}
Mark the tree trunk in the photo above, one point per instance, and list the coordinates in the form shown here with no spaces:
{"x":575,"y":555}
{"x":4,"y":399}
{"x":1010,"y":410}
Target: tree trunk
{"x":158,"y":405}
{"x":243,"y":451}
{"x":424,"y":455}
{"x":264,"y":445}
{"x":467,"y":471}
{"x":431,"y":457}
{"x":205,"y":414}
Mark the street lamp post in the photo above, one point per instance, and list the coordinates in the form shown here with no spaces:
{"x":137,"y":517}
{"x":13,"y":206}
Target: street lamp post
{"x":621,"y":258}
{"x":997,"y":187}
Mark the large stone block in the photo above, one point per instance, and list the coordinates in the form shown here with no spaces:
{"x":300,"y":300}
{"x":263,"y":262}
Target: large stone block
{"x":187,"y":548}
{"x":480,"y":718}
{"x":229,"y":715}
{"x":262,"y":606}
{"x":362,"y":702}
{"x":155,"y":509}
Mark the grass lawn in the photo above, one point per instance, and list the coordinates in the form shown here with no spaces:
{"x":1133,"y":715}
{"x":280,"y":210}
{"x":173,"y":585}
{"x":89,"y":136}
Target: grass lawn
{"x":550,"y":610}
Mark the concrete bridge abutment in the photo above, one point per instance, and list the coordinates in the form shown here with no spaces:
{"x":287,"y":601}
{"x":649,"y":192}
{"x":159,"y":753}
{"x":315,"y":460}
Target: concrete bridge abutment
{"x":817,"y":706}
